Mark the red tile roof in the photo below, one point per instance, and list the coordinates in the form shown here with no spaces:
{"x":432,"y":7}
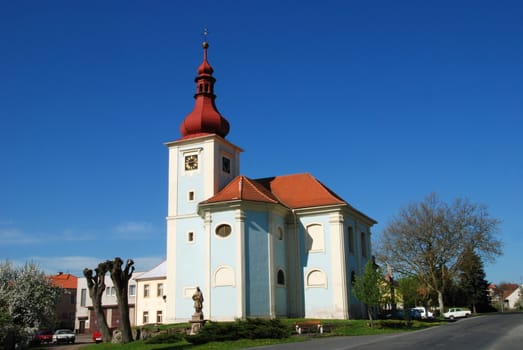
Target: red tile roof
{"x":65,"y":280}
{"x":243,"y":188}
{"x":301,"y":191}
{"x":293,"y":191}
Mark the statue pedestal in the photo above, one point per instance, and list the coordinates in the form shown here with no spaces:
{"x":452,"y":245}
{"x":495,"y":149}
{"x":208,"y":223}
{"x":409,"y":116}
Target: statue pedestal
{"x":196,"y":322}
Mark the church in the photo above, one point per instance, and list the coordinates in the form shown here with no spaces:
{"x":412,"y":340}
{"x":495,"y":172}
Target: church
{"x":283,"y":246}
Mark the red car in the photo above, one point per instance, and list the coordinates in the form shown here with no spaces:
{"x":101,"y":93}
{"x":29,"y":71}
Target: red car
{"x":44,"y":336}
{"x":97,"y":337}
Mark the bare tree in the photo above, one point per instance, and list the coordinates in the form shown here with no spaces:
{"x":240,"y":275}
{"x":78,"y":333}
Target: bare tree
{"x":428,"y":240}
{"x":96,"y":285}
{"x":121,"y":282}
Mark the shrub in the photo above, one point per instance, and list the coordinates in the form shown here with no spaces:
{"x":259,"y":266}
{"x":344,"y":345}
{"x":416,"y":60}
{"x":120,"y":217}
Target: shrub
{"x":165,"y":338}
{"x":248,"y":329}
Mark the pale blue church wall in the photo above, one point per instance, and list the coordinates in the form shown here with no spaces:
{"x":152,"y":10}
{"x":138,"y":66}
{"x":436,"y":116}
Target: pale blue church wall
{"x":188,"y":274}
{"x":224,"y":254}
{"x":280,"y":262}
{"x":318,"y":300}
{"x":256,"y":261}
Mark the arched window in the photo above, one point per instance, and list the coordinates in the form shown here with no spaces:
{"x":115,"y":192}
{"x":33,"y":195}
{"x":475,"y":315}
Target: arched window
{"x":280,"y":278}
{"x":280,"y":233}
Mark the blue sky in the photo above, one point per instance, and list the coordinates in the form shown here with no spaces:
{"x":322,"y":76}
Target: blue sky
{"x":382,"y":101}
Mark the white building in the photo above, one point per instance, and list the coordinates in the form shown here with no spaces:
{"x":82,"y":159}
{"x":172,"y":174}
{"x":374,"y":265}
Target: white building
{"x":85,"y":318}
{"x":151,"y":295}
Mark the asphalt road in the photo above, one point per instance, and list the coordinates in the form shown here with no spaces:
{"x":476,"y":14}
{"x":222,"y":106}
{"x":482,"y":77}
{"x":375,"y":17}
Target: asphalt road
{"x":490,"y":332}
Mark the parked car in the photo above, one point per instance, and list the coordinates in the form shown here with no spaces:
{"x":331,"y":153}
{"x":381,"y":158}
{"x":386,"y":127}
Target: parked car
{"x":44,"y":336}
{"x":64,"y":336}
{"x":457,"y":312}
{"x":413,"y":314}
{"x":97,"y":337}
{"x":425,"y":314}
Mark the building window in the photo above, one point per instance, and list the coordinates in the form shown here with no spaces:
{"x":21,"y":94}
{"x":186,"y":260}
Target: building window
{"x":145,"y":317}
{"x":190,"y":236}
{"x":159,"y":290}
{"x":110,"y":291}
{"x":191,"y":196}
{"x":351,"y":240}
{"x":132,"y":290}
{"x":159,"y":316}
{"x":145,"y":290}
{"x":280,"y":279}
{"x":83,"y":296}
{"x":363,"y":245}
{"x":352,"y":278}
{"x":226,"y":165}
{"x":223,"y":230}
{"x":280,"y":233}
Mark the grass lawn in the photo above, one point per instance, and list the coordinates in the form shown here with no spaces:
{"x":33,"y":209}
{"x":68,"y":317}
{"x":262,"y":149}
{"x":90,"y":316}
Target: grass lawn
{"x":332,"y":328}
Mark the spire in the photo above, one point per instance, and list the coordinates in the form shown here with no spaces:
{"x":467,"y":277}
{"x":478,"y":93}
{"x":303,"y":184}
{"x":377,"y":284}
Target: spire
{"x":204,"y":118}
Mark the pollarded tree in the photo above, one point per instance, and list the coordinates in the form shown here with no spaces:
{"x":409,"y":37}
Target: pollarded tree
{"x":121,"y":283}
{"x":367,"y":288}
{"x":428,"y":240}
{"x":96,"y":285}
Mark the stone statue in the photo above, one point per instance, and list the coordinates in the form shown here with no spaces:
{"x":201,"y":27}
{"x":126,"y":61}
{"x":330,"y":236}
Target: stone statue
{"x":198,"y":301}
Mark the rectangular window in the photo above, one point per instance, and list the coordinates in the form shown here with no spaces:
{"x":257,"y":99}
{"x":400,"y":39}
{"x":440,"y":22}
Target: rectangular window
{"x":132,"y":290}
{"x":113,"y":291}
{"x":226,"y":165}
{"x":108,"y":291}
{"x":159,"y":290}
{"x":159,"y":317}
{"x":83,"y":296}
{"x":145,"y":290}
{"x":363,"y":245}
{"x":191,"y":196}
{"x":145,"y":317}
{"x":351,"y":240}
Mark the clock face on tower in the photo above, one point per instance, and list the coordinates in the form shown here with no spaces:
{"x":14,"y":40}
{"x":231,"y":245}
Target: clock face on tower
{"x":191,"y":162}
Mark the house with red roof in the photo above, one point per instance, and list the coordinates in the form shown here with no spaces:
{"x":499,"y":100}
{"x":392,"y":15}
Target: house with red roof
{"x":66,"y":304}
{"x":283,"y":246}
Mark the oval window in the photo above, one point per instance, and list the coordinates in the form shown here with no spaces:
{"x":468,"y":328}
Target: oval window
{"x":223,"y":230}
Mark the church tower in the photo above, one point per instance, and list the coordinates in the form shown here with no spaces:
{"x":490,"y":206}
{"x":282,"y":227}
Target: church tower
{"x":201,"y":163}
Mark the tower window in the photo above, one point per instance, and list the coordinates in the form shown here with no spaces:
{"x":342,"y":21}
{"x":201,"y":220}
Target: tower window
{"x":226,"y":165}
{"x":191,"y":195}
{"x":190,"y":237}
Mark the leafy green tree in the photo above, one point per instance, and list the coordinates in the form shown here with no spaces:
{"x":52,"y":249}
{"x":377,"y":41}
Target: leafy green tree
{"x":428,"y":240}
{"x":472,"y":280}
{"x":408,"y":288}
{"x":367,"y":288}
{"x":27,"y":301}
